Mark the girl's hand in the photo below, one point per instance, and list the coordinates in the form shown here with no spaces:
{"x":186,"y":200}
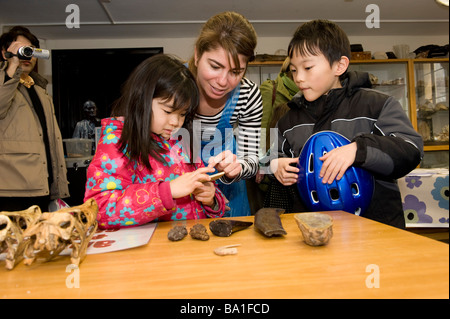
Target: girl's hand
{"x":205,"y":193}
{"x":283,"y":171}
{"x":188,"y":182}
{"x":336,"y":162}
{"x":226,"y":162}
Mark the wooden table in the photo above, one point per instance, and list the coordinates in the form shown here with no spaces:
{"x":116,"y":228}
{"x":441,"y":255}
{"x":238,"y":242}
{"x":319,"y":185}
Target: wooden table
{"x":361,"y":254}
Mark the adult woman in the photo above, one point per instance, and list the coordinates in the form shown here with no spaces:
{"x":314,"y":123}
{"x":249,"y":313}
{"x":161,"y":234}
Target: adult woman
{"x":228,"y":100}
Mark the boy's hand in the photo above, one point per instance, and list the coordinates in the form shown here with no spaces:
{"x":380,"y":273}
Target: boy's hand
{"x":336,"y":162}
{"x":285,"y":170}
{"x":205,"y":193}
{"x":188,"y":182}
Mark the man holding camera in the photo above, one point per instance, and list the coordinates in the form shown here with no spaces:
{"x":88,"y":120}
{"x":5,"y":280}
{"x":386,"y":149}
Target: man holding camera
{"x":32,"y":165}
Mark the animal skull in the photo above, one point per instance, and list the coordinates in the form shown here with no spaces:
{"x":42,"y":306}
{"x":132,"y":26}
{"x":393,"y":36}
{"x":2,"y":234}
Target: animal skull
{"x":55,"y":231}
{"x":12,"y":227}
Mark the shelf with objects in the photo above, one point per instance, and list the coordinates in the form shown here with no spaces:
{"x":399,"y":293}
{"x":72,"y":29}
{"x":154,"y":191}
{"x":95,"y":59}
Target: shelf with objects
{"x":420,"y":85}
{"x":432,"y":102}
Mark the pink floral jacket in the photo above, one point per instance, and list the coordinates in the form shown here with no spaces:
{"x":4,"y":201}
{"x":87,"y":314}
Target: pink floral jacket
{"x":128,"y":194}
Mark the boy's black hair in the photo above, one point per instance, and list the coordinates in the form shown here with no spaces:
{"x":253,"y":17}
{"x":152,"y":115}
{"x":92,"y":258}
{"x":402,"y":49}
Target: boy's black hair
{"x":320,"y":36}
{"x":8,"y":37}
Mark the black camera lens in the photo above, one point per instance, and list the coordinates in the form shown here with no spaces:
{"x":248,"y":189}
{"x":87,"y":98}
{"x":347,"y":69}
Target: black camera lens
{"x":25,"y":53}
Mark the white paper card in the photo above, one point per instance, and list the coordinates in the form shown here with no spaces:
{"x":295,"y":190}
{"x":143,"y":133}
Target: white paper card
{"x":105,"y":241}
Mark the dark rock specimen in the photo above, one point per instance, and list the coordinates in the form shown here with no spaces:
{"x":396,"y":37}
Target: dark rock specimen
{"x":225,"y":227}
{"x":198,"y":231}
{"x":177,"y":233}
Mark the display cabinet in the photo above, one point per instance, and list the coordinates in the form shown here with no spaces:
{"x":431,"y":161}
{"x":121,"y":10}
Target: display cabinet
{"x":421,"y":87}
{"x":431,"y":99}
{"x":392,"y":80}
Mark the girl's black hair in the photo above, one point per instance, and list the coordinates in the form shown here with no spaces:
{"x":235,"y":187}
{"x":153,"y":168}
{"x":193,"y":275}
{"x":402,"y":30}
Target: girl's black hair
{"x":161,"y":76}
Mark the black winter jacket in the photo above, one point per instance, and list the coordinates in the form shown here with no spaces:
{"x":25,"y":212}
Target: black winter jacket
{"x":387,"y":144}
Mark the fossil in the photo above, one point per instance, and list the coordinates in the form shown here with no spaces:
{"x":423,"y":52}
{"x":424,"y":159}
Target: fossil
{"x":198,"y":231}
{"x":177,"y":233}
{"x":316,"y":228}
{"x":225,"y":227}
{"x":267,"y":221}
{"x":226,"y":250}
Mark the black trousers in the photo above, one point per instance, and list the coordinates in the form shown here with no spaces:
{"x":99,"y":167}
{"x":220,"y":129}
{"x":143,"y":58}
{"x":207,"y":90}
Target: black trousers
{"x":12,"y":204}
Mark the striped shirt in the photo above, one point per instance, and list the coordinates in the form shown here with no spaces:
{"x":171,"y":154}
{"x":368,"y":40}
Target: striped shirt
{"x":246,"y":120}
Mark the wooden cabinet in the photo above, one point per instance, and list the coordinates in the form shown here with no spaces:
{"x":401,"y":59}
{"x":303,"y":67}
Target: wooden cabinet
{"x":420,"y":85}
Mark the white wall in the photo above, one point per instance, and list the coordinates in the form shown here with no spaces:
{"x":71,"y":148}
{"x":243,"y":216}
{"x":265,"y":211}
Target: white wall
{"x":183,"y":47}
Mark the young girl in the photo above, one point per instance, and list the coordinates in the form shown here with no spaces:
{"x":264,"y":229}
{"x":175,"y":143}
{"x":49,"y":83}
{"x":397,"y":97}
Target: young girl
{"x":139,"y":173}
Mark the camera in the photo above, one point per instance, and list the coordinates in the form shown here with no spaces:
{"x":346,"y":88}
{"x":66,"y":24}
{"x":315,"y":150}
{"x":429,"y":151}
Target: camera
{"x":26,"y":53}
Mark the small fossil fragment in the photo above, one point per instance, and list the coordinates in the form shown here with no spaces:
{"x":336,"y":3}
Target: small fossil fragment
{"x":225,"y":227}
{"x":226,"y":250}
{"x":267,"y":221}
{"x":317,"y":228}
{"x":177,"y":233}
{"x":198,"y":231}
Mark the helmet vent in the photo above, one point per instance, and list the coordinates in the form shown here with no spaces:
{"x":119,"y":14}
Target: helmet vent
{"x":334,"y":194}
{"x":314,"y":197}
{"x":311,"y":163}
{"x":355,"y":189}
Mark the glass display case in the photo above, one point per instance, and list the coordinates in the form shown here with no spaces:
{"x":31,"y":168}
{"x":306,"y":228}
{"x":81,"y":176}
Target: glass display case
{"x":392,"y":80}
{"x":432,"y":97}
{"x":431,"y":83}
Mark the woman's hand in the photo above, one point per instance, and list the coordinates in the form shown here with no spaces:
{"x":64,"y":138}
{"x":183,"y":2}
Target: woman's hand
{"x":188,"y":182}
{"x":283,"y":171}
{"x":226,"y":162}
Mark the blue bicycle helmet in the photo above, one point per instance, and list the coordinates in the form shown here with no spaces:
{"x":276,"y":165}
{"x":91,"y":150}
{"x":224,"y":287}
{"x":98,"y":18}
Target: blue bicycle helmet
{"x":352,"y":193}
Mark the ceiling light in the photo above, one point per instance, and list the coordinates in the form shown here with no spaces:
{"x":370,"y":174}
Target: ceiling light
{"x":442,"y":2}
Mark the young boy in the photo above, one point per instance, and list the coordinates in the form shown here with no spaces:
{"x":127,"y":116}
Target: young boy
{"x":383,"y":140}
